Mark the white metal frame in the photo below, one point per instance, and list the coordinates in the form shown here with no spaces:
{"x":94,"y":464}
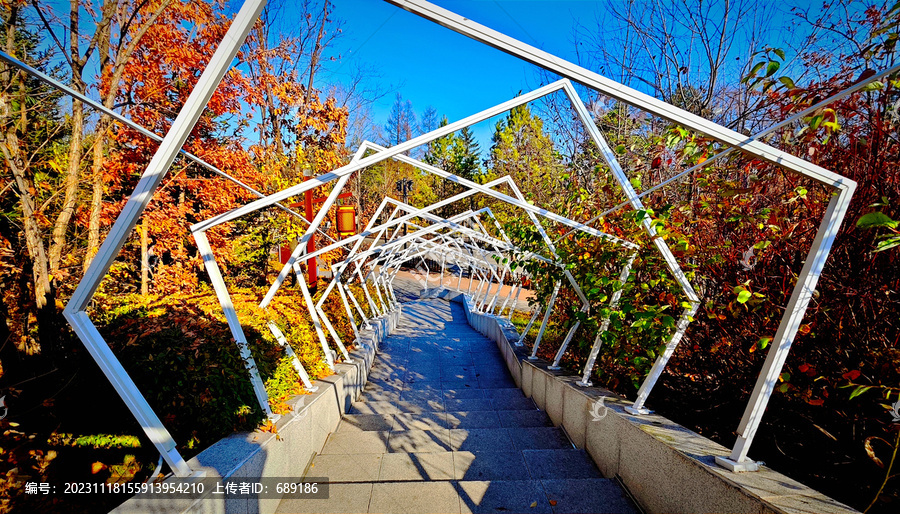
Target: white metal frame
{"x":171,"y":146}
{"x":818,"y":254}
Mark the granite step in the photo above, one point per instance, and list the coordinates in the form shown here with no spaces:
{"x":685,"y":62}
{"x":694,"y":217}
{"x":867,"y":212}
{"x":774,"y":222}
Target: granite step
{"x":441,"y":427}
{"x":467,"y":496}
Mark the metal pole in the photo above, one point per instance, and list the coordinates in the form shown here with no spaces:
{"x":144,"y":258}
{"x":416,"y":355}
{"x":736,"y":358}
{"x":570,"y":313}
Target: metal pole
{"x":565,"y":345}
{"x":614,"y":89}
{"x":537,"y":311}
{"x":787,"y":330}
{"x":490,"y":306}
{"x":218,"y":283}
{"x":512,"y":292}
{"x":540,"y":335}
{"x":356,"y":304}
{"x":515,"y":302}
{"x":298,"y":366}
{"x":347,"y":309}
{"x":660,"y":364}
{"x":598,"y":340}
{"x":317,"y":325}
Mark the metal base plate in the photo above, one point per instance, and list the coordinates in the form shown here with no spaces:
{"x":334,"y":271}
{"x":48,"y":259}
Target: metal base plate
{"x":554,"y":368}
{"x":638,"y":412}
{"x":737,"y":467}
{"x":584,"y":384}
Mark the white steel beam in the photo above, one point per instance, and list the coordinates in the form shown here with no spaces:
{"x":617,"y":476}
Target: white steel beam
{"x":158,"y":167}
{"x":808,"y":277}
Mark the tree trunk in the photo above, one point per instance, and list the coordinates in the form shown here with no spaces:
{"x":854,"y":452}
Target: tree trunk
{"x":96,"y":193}
{"x":73,"y":176}
{"x":113,"y":78}
{"x":18,"y":165}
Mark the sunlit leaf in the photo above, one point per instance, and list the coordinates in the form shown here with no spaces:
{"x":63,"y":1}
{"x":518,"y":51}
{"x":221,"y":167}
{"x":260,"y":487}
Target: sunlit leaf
{"x":876,"y":219}
{"x":859,"y":390}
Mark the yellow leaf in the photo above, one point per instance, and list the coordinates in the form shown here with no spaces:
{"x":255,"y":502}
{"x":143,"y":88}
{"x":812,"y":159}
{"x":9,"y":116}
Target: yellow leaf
{"x":97,"y":467}
{"x":533,"y":505}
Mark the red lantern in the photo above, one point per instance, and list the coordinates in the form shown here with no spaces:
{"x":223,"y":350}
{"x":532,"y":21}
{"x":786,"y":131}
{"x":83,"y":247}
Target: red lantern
{"x":346,"y":220}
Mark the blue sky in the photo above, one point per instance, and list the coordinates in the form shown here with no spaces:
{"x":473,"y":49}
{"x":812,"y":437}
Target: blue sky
{"x":430,"y":65}
{"x":435,"y":66}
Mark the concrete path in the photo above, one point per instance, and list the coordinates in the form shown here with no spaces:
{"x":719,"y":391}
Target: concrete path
{"x":441,"y":427}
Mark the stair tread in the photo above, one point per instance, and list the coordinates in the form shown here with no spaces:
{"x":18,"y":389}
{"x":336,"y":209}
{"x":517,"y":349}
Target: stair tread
{"x":441,"y":426}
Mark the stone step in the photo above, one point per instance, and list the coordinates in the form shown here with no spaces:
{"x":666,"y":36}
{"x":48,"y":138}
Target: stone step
{"x":437,"y":400}
{"x":494,"y":464}
{"x":466,"y":496}
{"x":415,"y":434}
{"x":441,"y":427}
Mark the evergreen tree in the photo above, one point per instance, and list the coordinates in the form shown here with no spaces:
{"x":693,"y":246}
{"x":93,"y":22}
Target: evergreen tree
{"x":467,"y":155}
{"x":468,"y":141}
{"x":441,"y":153}
{"x":523,"y":151}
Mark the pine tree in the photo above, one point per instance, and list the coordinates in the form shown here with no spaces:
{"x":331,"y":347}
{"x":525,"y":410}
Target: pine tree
{"x":467,"y":155}
{"x":468,"y":141}
{"x":523,"y":151}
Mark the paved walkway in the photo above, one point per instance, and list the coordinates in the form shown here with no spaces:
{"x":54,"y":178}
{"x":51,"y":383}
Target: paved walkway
{"x":441,"y":427}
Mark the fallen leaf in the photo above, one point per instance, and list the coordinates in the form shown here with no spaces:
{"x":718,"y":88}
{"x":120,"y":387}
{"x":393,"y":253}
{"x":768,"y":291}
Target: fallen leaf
{"x":553,"y":502}
{"x":852,"y":375}
{"x":533,"y":505}
{"x":97,"y":467}
{"x":871,"y":452}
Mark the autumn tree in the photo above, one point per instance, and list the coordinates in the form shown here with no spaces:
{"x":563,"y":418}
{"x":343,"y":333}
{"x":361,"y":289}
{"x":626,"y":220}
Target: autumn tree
{"x":33,"y":152}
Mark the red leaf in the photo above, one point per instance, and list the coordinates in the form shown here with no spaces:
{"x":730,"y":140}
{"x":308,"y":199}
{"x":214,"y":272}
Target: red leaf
{"x":852,"y":375}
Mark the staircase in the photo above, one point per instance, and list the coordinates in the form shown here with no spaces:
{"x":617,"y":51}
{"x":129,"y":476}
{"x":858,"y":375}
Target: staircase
{"x":441,"y":427}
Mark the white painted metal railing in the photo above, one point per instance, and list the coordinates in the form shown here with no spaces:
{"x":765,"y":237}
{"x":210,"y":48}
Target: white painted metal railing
{"x":463,"y":246}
